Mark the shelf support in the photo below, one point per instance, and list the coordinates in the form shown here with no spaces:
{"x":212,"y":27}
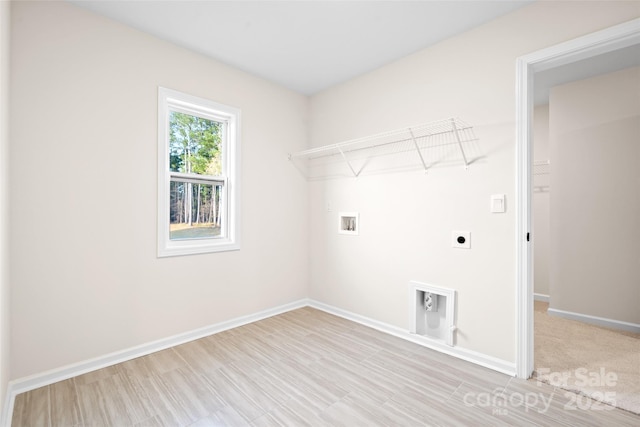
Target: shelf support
{"x":455,"y":131}
{"x":415,"y":143}
{"x":347,"y":160}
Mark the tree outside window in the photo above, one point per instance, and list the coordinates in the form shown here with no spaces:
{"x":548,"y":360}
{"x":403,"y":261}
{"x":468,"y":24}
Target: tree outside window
{"x":198,"y":163}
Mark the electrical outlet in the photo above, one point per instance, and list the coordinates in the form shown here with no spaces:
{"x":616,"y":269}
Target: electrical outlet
{"x":461,"y":239}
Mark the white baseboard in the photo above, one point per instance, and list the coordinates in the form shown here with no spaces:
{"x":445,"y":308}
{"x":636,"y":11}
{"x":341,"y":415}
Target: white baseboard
{"x":594,"y":320}
{"x":7,"y":408}
{"x":461,"y":353}
{"x":32,"y":382}
{"x":541,"y":297}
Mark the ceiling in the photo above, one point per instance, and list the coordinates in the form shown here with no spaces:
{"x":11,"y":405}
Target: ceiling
{"x":306,"y":46}
{"x":311,"y":45}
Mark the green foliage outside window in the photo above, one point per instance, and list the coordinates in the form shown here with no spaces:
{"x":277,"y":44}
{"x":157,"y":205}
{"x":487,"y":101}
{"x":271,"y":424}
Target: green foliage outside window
{"x":195,"y":146}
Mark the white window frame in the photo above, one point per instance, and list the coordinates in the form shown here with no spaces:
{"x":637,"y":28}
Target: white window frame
{"x":229,"y":240}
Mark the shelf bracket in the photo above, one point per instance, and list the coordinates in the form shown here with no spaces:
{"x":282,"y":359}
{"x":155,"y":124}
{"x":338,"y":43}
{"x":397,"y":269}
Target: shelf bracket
{"x":455,"y":131}
{"x":348,"y":162}
{"x":415,"y":143}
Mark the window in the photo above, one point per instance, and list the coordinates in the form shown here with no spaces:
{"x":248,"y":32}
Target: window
{"x":198,"y":189}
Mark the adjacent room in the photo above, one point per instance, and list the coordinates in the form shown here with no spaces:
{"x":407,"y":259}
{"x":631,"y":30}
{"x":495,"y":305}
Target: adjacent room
{"x":310,"y":213}
{"x":586,"y":129}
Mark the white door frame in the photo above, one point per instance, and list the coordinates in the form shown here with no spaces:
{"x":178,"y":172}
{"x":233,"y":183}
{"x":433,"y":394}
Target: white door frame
{"x":610,"y":39}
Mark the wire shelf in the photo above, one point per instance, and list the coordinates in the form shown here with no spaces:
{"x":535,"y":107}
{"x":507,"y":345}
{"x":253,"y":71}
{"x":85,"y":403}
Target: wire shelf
{"x":541,"y":171}
{"x":423,"y":146}
{"x":541,"y":167}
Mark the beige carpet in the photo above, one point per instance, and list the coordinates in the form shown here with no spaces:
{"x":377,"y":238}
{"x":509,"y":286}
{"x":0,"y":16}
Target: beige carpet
{"x":601,"y":363}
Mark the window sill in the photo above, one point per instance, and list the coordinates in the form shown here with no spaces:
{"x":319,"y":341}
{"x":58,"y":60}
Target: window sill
{"x":190,"y":247}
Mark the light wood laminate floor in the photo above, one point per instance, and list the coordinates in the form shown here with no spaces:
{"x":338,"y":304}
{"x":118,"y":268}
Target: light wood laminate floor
{"x":304,"y":368}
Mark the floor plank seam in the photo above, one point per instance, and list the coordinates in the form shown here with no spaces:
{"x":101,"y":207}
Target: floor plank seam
{"x":455,"y":391}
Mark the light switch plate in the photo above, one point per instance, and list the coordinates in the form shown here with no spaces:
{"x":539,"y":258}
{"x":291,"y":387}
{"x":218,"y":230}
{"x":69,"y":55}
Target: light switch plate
{"x":461,"y":239}
{"x":497,"y":203}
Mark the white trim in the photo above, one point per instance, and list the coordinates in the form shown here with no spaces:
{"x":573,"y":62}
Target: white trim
{"x":42,"y":379}
{"x":524,"y":304}
{"x":617,"y":37}
{"x":541,"y":297}
{"x":595,"y":320}
{"x":7,"y":407}
{"x":460,"y":353}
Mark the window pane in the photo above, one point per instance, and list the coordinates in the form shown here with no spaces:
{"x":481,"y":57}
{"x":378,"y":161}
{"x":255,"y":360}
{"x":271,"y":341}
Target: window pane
{"x":194,"y":210}
{"x":194,"y":144}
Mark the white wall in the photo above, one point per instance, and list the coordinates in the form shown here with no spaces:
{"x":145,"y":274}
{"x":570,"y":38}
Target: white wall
{"x":407,"y":218}
{"x":5,"y":18}
{"x":540,"y":199}
{"x":595,"y":198}
{"x":86,"y":280}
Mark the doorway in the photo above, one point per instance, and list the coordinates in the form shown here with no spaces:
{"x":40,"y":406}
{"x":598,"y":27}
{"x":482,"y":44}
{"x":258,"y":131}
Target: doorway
{"x":590,"y":46}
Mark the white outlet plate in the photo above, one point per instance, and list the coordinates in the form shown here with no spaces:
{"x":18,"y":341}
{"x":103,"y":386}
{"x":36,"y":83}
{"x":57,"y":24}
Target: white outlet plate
{"x":461,"y":239}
